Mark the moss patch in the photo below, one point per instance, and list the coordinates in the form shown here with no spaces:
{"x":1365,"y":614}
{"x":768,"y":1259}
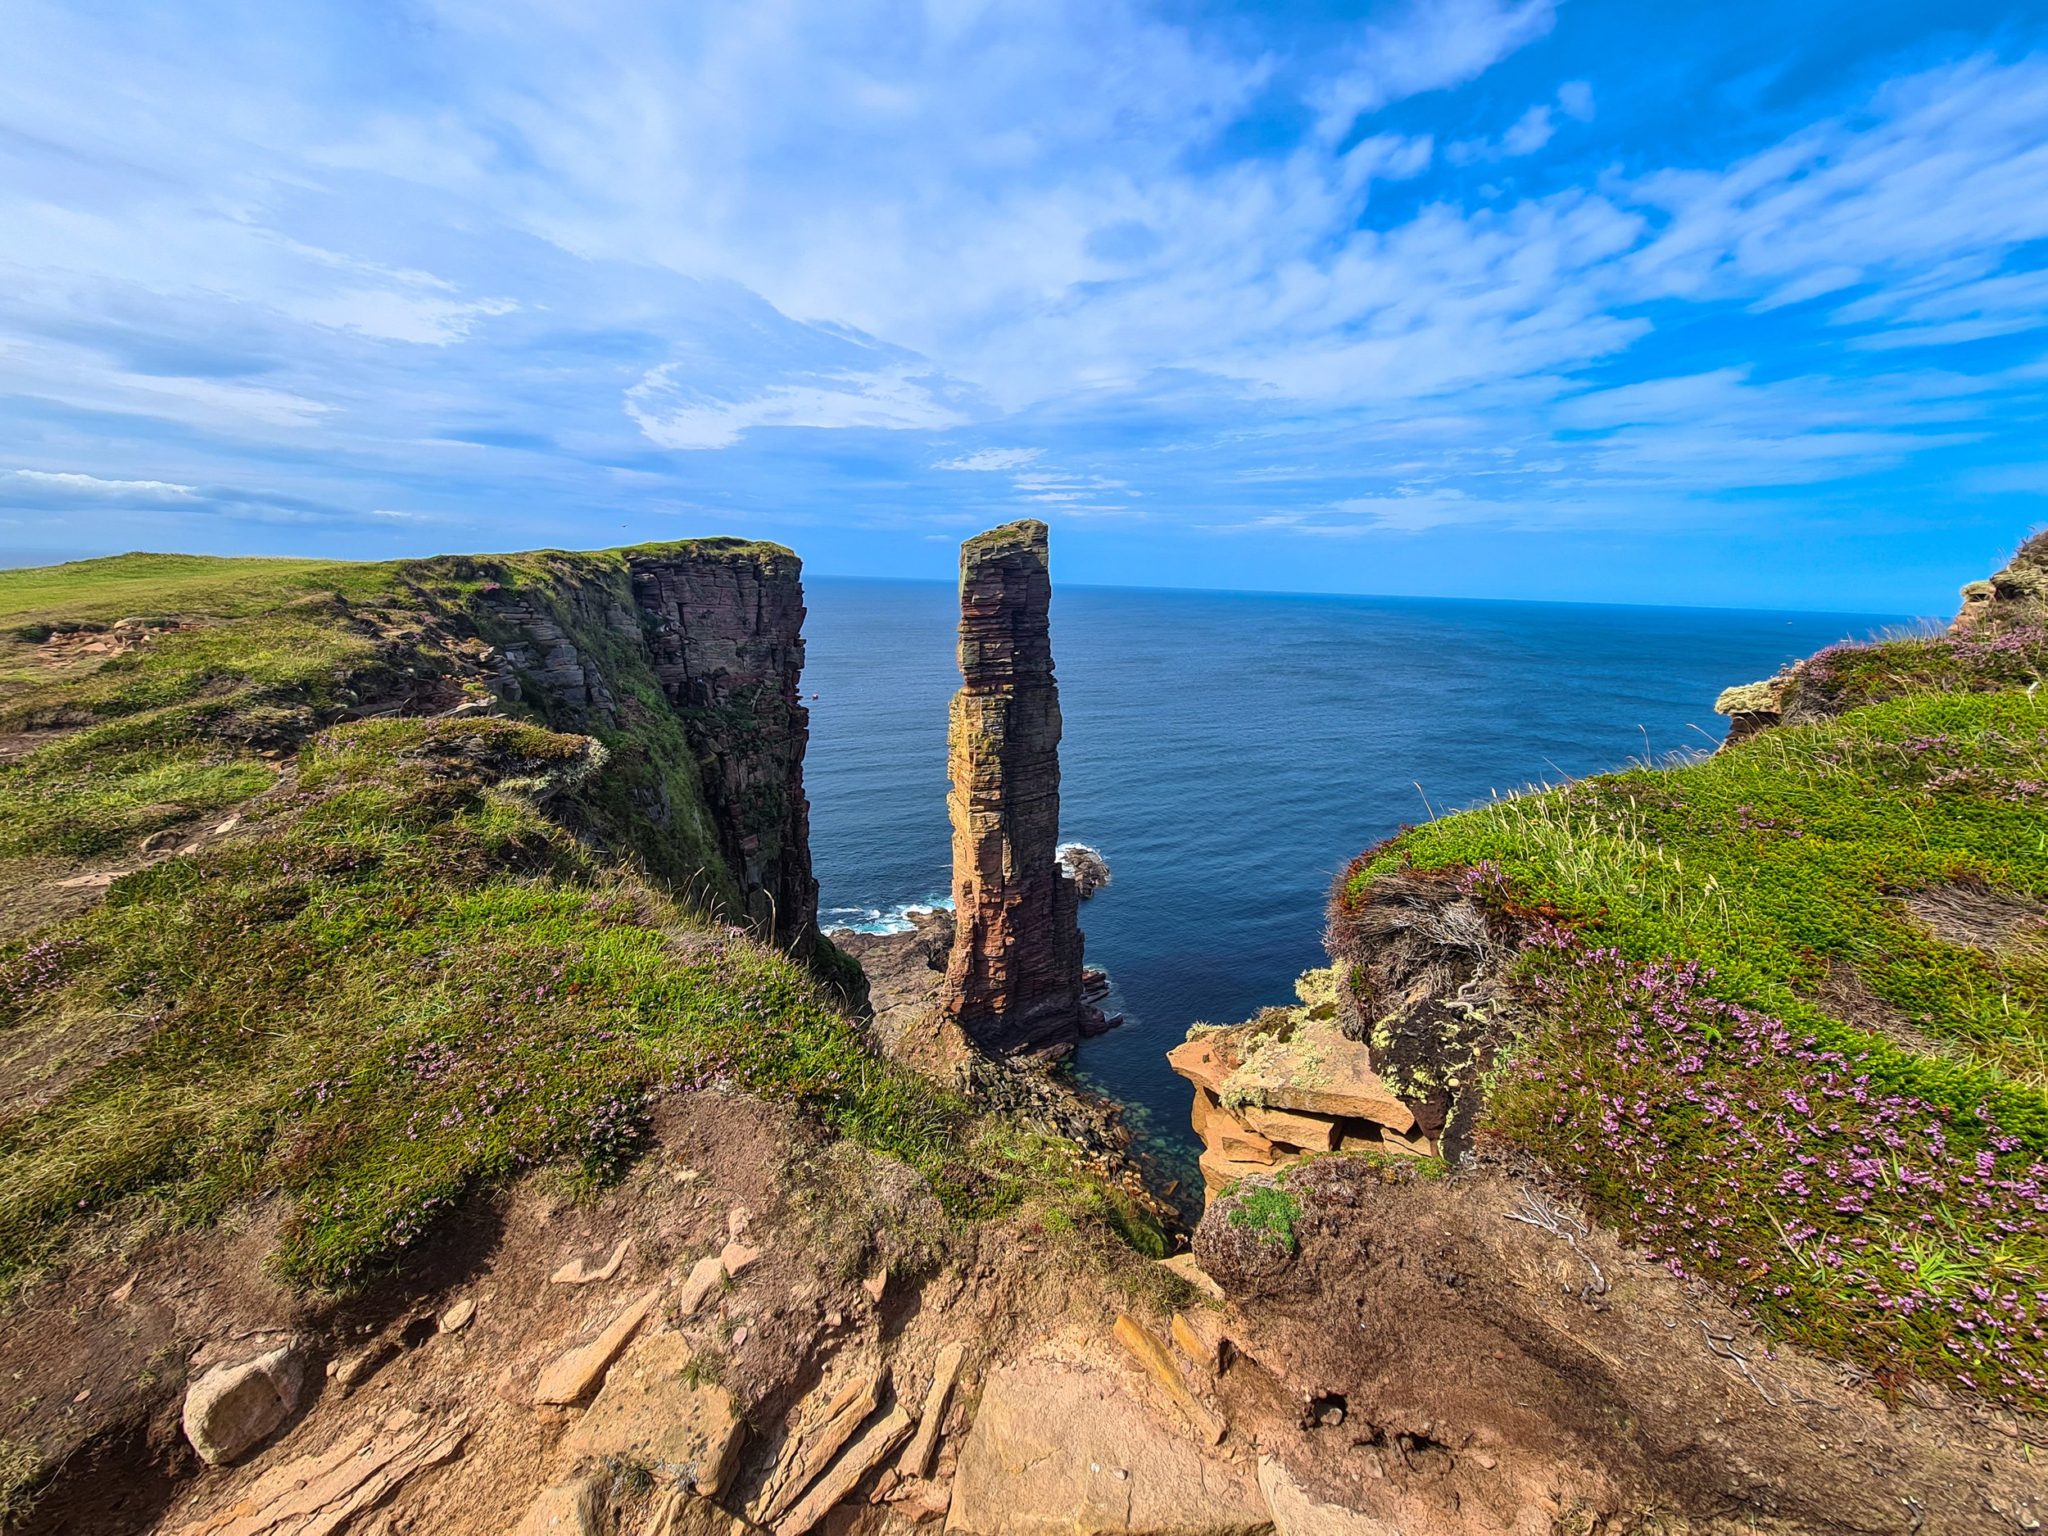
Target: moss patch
{"x":1268,"y":1212}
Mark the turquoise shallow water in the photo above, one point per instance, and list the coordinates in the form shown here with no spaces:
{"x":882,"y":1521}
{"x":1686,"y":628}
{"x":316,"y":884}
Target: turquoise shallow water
{"x":1228,"y":753}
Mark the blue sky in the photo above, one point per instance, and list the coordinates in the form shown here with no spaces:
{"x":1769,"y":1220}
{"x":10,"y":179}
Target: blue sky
{"x":1738,"y":304}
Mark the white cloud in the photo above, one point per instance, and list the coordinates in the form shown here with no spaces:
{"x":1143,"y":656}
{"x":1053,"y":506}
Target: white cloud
{"x":1527,"y":134}
{"x":697,"y":222}
{"x":69,"y":484}
{"x":1429,"y":47}
{"x":1531,"y":131}
{"x":992,"y":460}
{"x":672,"y":414}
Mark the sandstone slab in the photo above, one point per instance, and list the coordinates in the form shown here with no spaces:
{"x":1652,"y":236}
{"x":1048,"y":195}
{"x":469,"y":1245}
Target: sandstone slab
{"x":1316,"y":1069}
{"x":576,"y":1506}
{"x":584,"y":1271}
{"x":320,"y":1495}
{"x":1229,"y":1136}
{"x":649,"y":1412}
{"x":1157,"y":1362}
{"x":825,"y":1423}
{"x":1185,"y":1266}
{"x":917,"y":1456}
{"x":844,"y":1475}
{"x":1061,"y":1447}
{"x":1311,"y":1133}
{"x":576,"y":1372}
{"x":1298,"y":1513}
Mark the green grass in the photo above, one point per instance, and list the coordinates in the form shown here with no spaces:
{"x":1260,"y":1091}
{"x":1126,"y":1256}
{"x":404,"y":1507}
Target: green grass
{"x":1268,"y":1212}
{"x":1784,"y":859}
{"x":93,"y":593}
{"x":1774,"y":878}
{"x":434,"y":954}
{"x":397,"y":988}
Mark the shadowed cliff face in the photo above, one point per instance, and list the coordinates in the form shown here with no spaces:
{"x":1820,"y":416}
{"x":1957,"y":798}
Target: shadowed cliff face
{"x":686,"y":660}
{"x":1014,"y":977}
{"x":727,"y":642}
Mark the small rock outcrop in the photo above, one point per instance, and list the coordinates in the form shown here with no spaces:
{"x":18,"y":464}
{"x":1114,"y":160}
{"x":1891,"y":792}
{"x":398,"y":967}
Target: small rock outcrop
{"x":2019,"y":593}
{"x":2001,"y":616}
{"x":1272,"y":1092}
{"x":1013,"y":980}
{"x":1085,"y":866}
{"x":233,"y":1408}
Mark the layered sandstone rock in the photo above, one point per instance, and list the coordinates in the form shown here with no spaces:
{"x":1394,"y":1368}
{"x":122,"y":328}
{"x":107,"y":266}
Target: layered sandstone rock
{"x":1013,"y":980}
{"x":1288,"y":1085}
{"x":719,"y":625}
{"x":725,"y":625}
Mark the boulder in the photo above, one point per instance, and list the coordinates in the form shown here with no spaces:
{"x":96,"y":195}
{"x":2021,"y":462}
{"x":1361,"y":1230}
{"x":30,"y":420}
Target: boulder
{"x":1067,"y":1445}
{"x":233,"y":1408}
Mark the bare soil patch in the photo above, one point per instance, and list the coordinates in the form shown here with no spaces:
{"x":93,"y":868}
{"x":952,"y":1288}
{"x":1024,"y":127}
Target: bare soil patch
{"x":1456,"y":1370}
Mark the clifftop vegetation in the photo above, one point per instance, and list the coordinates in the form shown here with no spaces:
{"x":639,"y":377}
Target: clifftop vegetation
{"x":296,"y":912}
{"x":1782,"y":1013}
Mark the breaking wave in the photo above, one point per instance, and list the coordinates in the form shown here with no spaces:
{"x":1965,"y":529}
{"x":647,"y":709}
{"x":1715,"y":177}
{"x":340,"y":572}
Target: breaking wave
{"x":894,"y":919}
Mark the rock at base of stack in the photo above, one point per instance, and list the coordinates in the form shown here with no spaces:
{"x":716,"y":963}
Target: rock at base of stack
{"x":1013,"y":980}
{"x":1286,"y":1086}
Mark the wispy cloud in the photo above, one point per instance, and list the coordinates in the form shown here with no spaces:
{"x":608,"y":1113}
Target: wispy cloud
{"x":676,"y":414}
{"x":991,"y":460}
{"x":71,"y":486}
{"x":824,"y":267}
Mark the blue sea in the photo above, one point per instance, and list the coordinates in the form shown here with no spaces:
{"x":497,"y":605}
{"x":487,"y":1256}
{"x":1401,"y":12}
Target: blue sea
{"x":1229,"y":752}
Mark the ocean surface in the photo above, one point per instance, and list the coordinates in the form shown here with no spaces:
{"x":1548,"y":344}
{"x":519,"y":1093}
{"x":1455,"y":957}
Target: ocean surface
{"x":1229,"y":752}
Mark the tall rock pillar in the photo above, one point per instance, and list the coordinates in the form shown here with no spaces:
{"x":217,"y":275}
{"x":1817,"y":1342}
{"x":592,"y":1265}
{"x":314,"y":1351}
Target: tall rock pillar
{"x":1013,"y":979}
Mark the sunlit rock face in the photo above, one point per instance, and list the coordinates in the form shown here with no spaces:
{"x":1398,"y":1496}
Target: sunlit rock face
{"x":1013,"y":980}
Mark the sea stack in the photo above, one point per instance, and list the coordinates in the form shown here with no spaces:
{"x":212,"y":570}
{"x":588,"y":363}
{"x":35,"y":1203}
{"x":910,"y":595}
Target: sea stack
{"x":1013,"y":979}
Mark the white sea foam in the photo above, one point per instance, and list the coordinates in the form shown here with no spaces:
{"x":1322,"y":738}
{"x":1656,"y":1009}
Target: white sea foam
{"x":894,"y":919}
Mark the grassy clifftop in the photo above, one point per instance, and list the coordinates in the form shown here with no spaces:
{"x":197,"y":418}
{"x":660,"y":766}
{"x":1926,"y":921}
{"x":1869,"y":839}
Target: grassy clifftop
{"x":1782,"y":1013}
{"x":295,"y":913}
